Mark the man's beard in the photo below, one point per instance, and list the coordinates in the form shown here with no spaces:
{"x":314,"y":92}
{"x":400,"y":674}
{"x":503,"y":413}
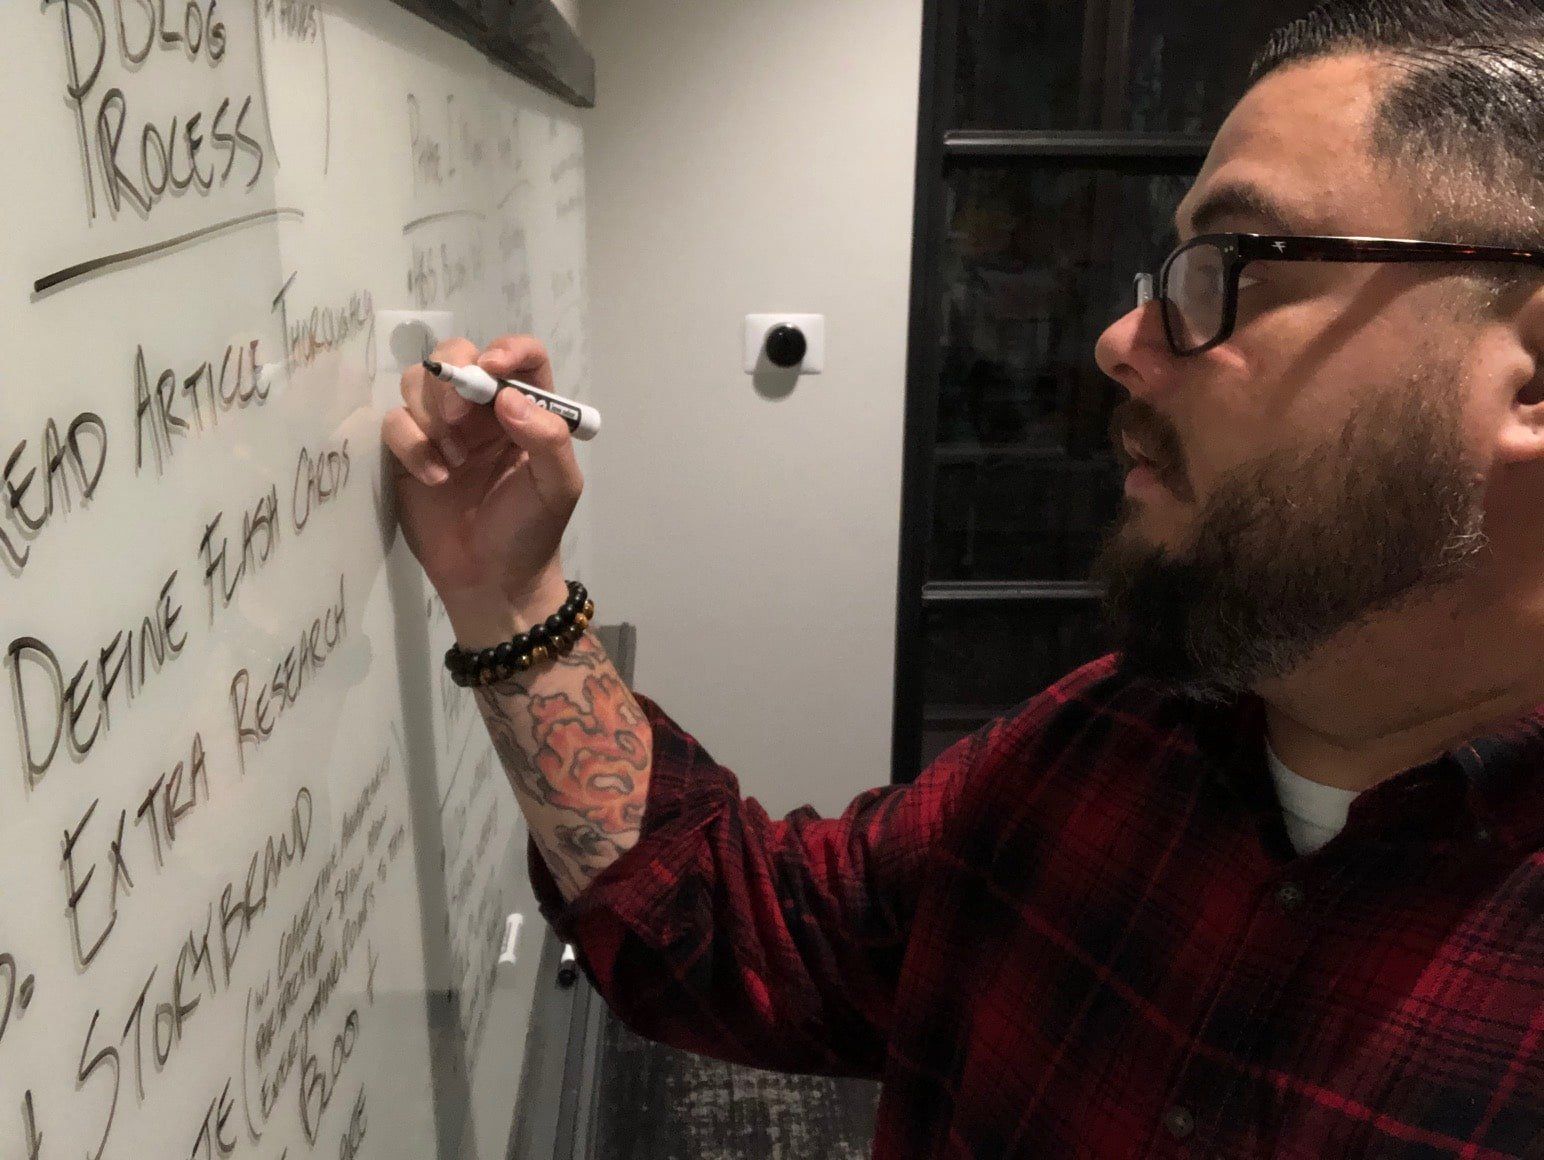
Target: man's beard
{"x":1292,"y":550}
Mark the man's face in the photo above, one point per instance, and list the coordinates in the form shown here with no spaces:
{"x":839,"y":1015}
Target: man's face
{"x":1320,"y":466}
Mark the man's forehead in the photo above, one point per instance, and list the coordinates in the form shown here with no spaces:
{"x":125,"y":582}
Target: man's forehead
{"x":1293,"y":157}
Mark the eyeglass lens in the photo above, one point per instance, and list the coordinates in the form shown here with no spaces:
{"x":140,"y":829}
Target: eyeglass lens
{"x":1195,"y":296}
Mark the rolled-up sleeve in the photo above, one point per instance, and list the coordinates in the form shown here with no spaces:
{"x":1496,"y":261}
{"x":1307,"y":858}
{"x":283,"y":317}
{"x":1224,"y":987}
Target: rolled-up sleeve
{"x":773,"y":943}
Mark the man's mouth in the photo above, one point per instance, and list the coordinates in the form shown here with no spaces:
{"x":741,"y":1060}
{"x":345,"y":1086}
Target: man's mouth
{"x":1135,"y":456}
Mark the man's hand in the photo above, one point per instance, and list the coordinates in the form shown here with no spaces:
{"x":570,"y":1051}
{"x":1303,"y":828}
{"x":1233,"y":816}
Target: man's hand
{"x":485,"y":492}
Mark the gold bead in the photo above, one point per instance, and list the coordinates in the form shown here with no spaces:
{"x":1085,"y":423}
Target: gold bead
{"x":540,"y":655}
{"x":523,"y":662}
{"x":581,"y":622}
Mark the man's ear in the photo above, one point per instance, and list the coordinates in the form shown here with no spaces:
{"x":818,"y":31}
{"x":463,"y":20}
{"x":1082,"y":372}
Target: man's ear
{"x":1522,"y":439}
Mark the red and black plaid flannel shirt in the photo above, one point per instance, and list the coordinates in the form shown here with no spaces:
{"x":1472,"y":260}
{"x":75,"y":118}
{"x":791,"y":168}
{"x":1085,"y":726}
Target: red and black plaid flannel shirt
{"x":1084,"y":933}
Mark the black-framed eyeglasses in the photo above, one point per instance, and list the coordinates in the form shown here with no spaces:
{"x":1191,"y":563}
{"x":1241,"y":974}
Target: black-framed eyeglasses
{"x":1198,"y":284}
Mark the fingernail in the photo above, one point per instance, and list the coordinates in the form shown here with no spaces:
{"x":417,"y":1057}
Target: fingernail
{"x":435,"y":474}
{"x":456,"y":407}
{"x":451,"y":450}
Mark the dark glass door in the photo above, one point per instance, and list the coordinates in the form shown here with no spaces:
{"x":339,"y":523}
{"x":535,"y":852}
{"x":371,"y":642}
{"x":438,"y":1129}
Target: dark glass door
{"x":1056,"y":141}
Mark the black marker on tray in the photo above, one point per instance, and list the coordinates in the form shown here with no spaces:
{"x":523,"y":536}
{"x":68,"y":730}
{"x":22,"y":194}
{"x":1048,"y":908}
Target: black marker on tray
{"x":476,"y":385}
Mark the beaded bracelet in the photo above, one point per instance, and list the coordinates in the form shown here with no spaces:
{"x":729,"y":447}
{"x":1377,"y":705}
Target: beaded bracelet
{"x":552,"y":638}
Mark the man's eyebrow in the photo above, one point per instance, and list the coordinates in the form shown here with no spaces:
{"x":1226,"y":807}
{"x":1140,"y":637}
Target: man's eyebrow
{"x":1239,"y":200}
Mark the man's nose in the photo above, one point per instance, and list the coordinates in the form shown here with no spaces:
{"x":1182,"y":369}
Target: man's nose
{"x":1134,"y":352}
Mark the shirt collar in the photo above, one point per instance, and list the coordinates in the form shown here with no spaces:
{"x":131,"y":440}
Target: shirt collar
{"x":1497,"y":779}
{"x":1504,"y":770}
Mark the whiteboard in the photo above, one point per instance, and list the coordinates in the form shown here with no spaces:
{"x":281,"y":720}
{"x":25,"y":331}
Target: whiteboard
{"x":257,"y":859}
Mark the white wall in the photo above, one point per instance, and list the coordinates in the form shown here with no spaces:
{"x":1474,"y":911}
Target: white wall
{"x":743,"y":158}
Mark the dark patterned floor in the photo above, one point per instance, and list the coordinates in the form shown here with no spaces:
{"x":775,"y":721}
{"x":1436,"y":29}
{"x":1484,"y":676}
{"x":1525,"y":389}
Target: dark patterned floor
{"x":661,"y":1104}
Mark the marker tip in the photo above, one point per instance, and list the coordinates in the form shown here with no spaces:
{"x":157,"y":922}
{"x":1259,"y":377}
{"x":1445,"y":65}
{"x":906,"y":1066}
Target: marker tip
{"x":432,"y":367}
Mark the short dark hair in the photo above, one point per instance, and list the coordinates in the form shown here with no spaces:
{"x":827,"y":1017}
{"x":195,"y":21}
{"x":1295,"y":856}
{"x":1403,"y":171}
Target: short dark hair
{"x":1463,"y":113}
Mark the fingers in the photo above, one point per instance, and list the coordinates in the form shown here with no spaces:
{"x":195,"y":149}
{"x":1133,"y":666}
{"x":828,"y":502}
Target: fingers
{"x":427,"y":399}
{"x":546,"y":439}
{"x":470,"y":428}
{"x":438,"y":429}
{"x":414,"y":450}
{"x":518,"y":356}
{"x":456,"y":352}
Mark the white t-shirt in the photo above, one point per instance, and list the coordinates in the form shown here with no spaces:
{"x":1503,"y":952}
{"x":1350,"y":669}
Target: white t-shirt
{"x":1314,"y":813}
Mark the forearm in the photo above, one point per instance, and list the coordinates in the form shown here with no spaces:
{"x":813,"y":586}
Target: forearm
{"x":577,"y":749}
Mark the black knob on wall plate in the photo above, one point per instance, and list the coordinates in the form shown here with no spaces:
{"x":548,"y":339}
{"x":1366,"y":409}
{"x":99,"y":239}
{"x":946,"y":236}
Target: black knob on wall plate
{"x":786,"y":346}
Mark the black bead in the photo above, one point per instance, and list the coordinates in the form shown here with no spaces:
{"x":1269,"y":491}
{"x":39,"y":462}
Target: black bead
{"x":557,"y":633}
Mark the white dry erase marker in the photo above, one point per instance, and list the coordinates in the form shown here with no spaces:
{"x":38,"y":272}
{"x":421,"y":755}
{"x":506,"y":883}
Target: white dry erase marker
{"x":568,"y":967}
{"x":476,"y":385}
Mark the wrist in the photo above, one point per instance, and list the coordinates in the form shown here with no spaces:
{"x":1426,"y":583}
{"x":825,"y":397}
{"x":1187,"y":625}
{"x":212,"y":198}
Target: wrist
{"x":484,"y":620}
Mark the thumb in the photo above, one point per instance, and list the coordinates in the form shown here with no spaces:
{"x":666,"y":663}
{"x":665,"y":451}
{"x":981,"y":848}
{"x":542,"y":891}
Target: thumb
{"x":548,"y":442}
